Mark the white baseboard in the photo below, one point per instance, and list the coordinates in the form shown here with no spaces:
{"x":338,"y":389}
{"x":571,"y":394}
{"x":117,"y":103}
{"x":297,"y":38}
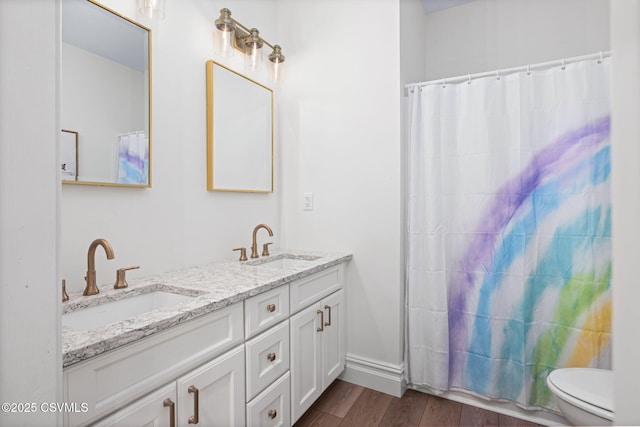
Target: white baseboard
{"x":380,"y":376}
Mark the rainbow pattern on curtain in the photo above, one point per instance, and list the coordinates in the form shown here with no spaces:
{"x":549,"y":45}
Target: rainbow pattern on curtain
{"x":531,"y":291}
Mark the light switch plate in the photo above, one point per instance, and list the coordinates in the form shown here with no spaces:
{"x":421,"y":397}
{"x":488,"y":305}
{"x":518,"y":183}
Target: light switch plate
{"x":307,"y":201}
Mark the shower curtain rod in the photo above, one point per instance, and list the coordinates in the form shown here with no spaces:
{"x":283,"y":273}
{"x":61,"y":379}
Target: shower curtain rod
{"x":499,"y":73}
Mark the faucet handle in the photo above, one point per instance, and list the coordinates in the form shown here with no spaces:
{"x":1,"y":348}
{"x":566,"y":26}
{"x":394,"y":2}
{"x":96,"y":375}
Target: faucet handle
{"x":265,"y":249}
{"x":243,"y":253}
{"x":121,"y":281}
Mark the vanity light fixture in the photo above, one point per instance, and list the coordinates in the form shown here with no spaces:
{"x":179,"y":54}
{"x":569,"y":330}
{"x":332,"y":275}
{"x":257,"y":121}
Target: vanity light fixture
{"x":232,"y":34}
{"x":153,"y":9}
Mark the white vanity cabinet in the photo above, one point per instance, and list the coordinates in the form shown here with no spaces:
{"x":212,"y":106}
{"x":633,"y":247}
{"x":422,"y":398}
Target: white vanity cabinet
{"x":317,"y":344}
{"x":290,"y":364}
{"x":260,"y":362}
{"x":114,"y":380}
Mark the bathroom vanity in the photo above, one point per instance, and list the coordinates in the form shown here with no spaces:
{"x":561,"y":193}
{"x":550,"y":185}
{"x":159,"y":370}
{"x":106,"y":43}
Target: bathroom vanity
{"x":233,"y":344}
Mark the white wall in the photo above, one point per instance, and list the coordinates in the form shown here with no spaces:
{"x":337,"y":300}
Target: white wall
{"x":625,"y":176}
{"x":339,"y":123}
{"x":413,"y":54}
{"x":413,"y":37}
{"x":177,"y":222}
{"x":30,"y":350}
{"x":486,"y":35}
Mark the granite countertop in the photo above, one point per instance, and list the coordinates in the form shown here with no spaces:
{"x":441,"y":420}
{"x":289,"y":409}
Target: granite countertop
{"x":212,"y":286}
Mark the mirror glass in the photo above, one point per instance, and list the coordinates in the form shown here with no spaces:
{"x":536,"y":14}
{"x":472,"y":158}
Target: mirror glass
{"x":105,"y":94}
{"x":239,"y":132}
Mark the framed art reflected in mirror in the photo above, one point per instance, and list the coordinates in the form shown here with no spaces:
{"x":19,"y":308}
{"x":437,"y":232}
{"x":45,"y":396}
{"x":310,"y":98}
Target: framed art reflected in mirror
{"x":69,"y":155}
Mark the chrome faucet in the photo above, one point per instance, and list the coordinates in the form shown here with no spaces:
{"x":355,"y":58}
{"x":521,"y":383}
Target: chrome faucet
{"x":92,"y":288}
{"x":254,"y":245}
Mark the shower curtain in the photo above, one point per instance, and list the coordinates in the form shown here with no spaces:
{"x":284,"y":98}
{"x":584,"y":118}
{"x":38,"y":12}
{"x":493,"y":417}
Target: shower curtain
{"x":509,"y":231}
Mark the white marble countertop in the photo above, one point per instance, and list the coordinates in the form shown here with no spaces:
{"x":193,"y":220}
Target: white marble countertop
{"x":213,"y":287}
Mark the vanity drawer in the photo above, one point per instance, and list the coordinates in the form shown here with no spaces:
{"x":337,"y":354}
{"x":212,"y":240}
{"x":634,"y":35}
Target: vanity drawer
{"x":109,"y":381}
{"x":272,"y":407}
{"x":305,"y":292}
{"x":265,"y":310}
{"x":148,"y":411}
{"x":267,"y":358}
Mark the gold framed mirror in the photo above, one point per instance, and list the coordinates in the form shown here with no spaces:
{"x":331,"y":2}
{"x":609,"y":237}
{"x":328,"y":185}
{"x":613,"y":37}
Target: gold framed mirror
{"x":240,"y":134}
{"x":106,"y":94}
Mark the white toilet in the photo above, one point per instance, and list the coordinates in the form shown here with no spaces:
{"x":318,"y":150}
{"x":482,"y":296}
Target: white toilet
{"x":584,"y":395}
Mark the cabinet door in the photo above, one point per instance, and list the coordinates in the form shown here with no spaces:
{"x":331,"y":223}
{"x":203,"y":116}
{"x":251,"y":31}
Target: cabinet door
{"x":156,"y":409}
{"x":306,"y":378}
{"x":213,"y":395}
{"x":333,"y":338}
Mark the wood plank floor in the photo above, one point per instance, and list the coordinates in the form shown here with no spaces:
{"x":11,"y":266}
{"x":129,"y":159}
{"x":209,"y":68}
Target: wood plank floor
{"x":345,"y":404}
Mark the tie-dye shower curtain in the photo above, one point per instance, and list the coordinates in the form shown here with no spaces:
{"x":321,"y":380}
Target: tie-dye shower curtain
{"x":509,"y":231}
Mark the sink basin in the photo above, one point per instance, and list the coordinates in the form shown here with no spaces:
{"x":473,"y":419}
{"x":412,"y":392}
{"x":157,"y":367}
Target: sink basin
{"x":284,"y":261}
{"x":125,"y":308}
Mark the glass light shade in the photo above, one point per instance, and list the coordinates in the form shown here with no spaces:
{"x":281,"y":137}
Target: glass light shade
{"x":275,"y":71}
{"x":276,"y":58}
{"x":253,"y":59}
{"x":153,"y":9}
{"x":223,"y":42}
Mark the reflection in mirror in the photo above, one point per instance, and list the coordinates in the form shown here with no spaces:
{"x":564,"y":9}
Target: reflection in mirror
{"x":239,"y":132}
{"x":105,"y":94}
{"x":69,"y":155}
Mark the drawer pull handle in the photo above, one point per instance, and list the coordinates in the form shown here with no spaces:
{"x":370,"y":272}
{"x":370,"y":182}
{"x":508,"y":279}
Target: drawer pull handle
{"x":328,"y":307}
{"x":321,"y":327}
{"x":272,"y":413}
{"x":271,"y":357}
{"x":194,"y":419}
{"x":172,"y":411}
{"x":271,"y":308}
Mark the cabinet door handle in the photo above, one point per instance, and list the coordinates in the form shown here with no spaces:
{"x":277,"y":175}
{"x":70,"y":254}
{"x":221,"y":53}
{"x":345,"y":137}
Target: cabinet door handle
{"x":321,"y":313}
{"x":194,"y":419}
{"x":272,"y":413}
{"x":271,"y":357}
{"x":271,"y":308}
{"x":172,"y":411}
{"x":328,"y":307}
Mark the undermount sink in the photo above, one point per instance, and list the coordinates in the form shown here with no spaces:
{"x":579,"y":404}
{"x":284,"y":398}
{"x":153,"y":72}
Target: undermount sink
{"x":112,"y":311}
{"x":284,"y":261}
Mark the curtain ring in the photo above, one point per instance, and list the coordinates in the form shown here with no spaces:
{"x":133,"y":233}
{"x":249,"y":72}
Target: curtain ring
{"x":444,"y":83}
{"x":563,"y":66}
{"x":528,"y":70}
{"x":601,"y":58}
{"x":469,"y":79}
{"x":498,"y":74}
